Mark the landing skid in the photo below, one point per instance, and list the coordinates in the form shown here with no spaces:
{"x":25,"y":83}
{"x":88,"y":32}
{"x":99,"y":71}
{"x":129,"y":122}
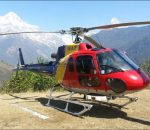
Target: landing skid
{"x":68,"y":102}
{"x":108,"y":103}
{"x":84,"y":104}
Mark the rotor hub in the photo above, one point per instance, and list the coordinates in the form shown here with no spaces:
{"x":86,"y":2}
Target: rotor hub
{"x":78,"y":30}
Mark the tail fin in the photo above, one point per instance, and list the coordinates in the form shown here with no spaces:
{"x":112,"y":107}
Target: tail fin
{"x":21,"y":57}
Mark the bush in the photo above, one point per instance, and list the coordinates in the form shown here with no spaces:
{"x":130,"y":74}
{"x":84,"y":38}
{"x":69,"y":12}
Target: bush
{"x":28,"y":81}
{"x":146,"y":67}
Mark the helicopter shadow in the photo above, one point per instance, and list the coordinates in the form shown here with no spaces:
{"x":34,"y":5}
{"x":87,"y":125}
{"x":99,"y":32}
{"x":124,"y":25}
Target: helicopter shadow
{"x":102,"y":111}
{"x":99,"y":111}
{"x":19,"y":97}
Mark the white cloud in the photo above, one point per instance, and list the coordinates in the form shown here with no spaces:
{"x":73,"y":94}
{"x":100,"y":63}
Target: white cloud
{"x":114,"y":20}
{"x":11,"y":50}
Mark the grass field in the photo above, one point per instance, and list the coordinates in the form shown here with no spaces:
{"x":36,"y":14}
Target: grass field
{"x":16,"y":113}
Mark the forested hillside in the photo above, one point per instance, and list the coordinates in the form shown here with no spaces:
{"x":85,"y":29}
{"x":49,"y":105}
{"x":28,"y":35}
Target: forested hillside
{"x":5,"y":72}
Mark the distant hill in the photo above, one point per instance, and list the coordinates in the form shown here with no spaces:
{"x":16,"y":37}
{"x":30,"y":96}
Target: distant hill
{"x":5,"y":72}
{"x":134,"y":40}
{"x":140,"y":51}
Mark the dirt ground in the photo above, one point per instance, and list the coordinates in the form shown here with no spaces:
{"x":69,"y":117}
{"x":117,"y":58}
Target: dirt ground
{"x":19,"y":111}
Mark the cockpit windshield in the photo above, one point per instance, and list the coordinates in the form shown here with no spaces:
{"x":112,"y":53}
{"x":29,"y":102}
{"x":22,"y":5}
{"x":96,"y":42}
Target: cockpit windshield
{"x":114,"y":61}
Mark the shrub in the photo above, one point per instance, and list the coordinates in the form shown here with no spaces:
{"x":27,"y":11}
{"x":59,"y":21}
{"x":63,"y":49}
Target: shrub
{"x":28,"y":81}
{"x":146,"y":67}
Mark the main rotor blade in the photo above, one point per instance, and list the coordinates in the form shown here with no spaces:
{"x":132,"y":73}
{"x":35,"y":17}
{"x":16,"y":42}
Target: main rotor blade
{"x":118,"y":25}
{"x":92,"y":41}
{"x":9,"y":33}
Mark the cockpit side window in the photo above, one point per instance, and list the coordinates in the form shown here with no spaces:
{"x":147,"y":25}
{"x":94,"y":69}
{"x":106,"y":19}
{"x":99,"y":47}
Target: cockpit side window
{"x":84,"y":65}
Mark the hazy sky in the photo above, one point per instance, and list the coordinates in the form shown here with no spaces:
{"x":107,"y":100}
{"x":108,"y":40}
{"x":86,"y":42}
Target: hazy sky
{"x":56,"y":15}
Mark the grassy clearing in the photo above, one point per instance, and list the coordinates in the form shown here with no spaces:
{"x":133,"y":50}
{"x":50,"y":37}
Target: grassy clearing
{"x":99,"y":117}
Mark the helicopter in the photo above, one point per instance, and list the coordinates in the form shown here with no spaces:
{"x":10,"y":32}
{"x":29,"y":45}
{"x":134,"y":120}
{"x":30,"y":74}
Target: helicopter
{"x":90,"y":69}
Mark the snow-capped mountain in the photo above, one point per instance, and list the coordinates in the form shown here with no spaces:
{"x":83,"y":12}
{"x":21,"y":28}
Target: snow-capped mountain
{"x":132,"y":39}
{"x":12,"y":22}
{"x":33,"y":45}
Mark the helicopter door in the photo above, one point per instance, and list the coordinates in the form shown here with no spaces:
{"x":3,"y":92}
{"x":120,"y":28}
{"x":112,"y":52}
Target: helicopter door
{"x":86,"y":71}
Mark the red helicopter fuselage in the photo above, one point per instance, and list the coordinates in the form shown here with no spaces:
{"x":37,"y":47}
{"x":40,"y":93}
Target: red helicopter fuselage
{"x":102,"y":71}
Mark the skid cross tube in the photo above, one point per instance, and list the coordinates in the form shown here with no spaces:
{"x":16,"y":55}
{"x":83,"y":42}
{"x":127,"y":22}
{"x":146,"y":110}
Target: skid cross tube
{"x":86,"y":107}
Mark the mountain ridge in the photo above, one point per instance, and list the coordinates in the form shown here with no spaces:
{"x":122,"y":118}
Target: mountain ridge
{"x":130,"y":39}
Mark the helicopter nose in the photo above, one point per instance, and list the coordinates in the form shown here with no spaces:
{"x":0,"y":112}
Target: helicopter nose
{"x":137,"y":80}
